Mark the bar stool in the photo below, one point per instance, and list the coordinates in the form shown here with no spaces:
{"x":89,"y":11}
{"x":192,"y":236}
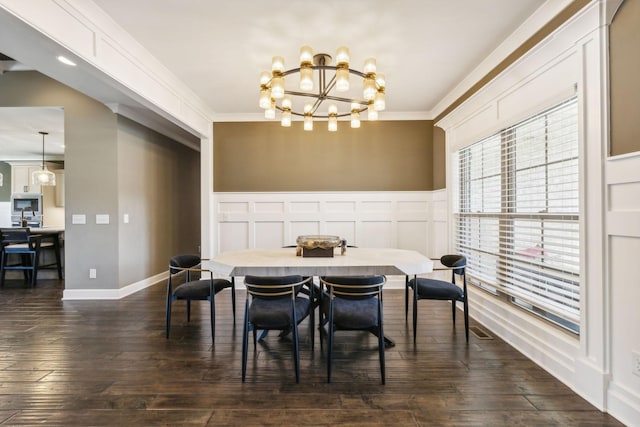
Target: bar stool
{"x":17,"y":241}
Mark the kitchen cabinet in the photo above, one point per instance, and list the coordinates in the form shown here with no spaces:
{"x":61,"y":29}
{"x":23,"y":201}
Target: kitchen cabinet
{"x":21,"y":178}
{"x":59,"y":190}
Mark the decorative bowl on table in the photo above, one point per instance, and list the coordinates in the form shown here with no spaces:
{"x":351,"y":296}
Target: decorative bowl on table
{"x":318,"y":245}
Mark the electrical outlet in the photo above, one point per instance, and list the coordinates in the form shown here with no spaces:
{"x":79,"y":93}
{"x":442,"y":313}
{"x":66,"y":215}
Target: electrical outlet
{"x":635,"y":363}
{"x":92,"y":273}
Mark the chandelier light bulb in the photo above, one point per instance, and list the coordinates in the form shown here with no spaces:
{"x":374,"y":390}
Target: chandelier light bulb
{"x":370,"y":66}
{"x":307,"y":108}
{"x":380,"y":81}
{"x":265,"y":98}
{"x":277,"y":87}
{"x":277,"y":65}
{"x":286,"y":102}
{"x":265,"y":76}
{"x":270,"y":113}
{"x":333,"y":124}
{"x":369,"y":89}
{"x":355,"y":119}
{"x":308,"y":122}
{"x":379,"y":102}
{"x":372,"y":114}
{"x":286,"y":119}
{"x":342,"y":79}
{"x":306,"y":78}
{"x":306,"y":55}
{"x":342,"y":56}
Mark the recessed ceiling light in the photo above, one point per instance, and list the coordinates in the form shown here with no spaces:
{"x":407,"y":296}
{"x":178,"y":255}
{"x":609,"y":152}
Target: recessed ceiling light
{"x":66,"y":61}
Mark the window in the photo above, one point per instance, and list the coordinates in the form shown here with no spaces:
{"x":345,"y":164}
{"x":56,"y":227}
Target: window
{"x":517,"y":219}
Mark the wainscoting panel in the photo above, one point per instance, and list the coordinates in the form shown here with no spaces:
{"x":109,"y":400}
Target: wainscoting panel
{"x":623,"y":244}
{"x":366,"y":219}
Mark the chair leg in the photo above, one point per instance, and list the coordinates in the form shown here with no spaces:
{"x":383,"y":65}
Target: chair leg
{"x":255,"y":338}
{"x":212,"y":314}
{"x":24,"y":261}
{"x":233,"y":298}
{"x":34,"y":267}
{"x":168,"y":326}
{"x":453,"y":312}
{"x":2,"y":270}
{"x":56,"y":249}
{"x":245,"y":341}
{"x":312,"y":324}
{"x":406,"y":298}
{"x":381,"y":343}
{"x":466,"y":318}
{"x":330,"y":344}
{"x":415,"y":311}
{"x":296,"y":345}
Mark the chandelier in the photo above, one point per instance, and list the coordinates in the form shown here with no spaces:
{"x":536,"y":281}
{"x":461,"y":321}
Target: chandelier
{"x":319,"y":81}
{"x":43,"y":176}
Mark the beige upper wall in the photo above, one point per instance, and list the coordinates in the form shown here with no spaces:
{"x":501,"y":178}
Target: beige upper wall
{"x":439,"y":159}
{"x":379,"y":156}
{"x":625,"y":82}
{"x":159,"y":191}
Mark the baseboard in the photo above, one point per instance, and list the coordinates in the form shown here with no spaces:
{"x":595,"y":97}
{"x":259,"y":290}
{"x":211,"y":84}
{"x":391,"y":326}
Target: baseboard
{"x":112,"y":294}
{"x":553,"y":350}
{"x":624,"y":404}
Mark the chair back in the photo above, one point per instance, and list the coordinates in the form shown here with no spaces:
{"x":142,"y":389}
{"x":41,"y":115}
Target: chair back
{"x":273,"y":286}
{"x":14,"y":235}
{"x":453,"y":261}
{"x":179,"y":262}
{"x":354,"y":287}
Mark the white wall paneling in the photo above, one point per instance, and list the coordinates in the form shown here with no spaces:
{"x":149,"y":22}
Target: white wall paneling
{"x":366,"y":219}
{"x":623,"y":242}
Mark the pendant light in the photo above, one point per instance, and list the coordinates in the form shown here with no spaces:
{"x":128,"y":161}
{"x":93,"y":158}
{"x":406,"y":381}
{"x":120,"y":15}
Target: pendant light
{"x":43,"y":176}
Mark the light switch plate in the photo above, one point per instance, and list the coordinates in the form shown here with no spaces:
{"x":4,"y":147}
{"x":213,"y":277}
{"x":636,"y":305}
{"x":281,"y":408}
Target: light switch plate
{"x":102,"y":218}
{"x":78,"y":219}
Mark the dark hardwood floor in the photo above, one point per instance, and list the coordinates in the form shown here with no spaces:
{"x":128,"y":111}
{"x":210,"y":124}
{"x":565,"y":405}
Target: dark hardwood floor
{"x":97,"y":363}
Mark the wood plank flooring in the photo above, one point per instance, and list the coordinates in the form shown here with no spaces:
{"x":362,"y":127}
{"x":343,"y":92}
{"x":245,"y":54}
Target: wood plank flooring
{"x":107,"y":363}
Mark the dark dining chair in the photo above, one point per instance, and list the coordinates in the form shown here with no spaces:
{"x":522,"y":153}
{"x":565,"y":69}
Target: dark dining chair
{"x":18,"y":243}
{"x":187,"y":281}
{"x":434,"y":289}
{"x":353,"y":303}
{"x":277,"y":303}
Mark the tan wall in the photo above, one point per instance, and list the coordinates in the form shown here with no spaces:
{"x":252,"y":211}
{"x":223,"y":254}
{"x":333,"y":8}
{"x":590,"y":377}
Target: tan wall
{"x":379,"y":156}
{"x":159,"y":189}
{"x":625,"y":81}
{"x":439,"y":159}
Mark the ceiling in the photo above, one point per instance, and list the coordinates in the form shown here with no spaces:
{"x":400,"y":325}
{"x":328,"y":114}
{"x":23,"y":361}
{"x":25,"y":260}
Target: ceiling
{"x":218,"y":49}
{"x":19,"y":137}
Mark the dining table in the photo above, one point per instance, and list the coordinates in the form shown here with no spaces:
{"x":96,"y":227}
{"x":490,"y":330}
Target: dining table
{"x":353,"y":262}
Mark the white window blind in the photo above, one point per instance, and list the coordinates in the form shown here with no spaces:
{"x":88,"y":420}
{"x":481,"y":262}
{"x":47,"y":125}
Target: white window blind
{"x":517,"y":219}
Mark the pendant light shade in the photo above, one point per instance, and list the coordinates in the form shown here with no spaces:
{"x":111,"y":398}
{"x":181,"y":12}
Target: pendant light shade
{"x":43,"y":176}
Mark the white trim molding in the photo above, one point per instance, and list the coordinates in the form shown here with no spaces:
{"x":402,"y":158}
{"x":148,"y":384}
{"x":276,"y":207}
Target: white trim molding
{"x":597,"y":364}
{"x":111,"y":294}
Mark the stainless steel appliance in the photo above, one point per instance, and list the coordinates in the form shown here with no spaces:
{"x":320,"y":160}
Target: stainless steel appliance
{"x":26,"y":209}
